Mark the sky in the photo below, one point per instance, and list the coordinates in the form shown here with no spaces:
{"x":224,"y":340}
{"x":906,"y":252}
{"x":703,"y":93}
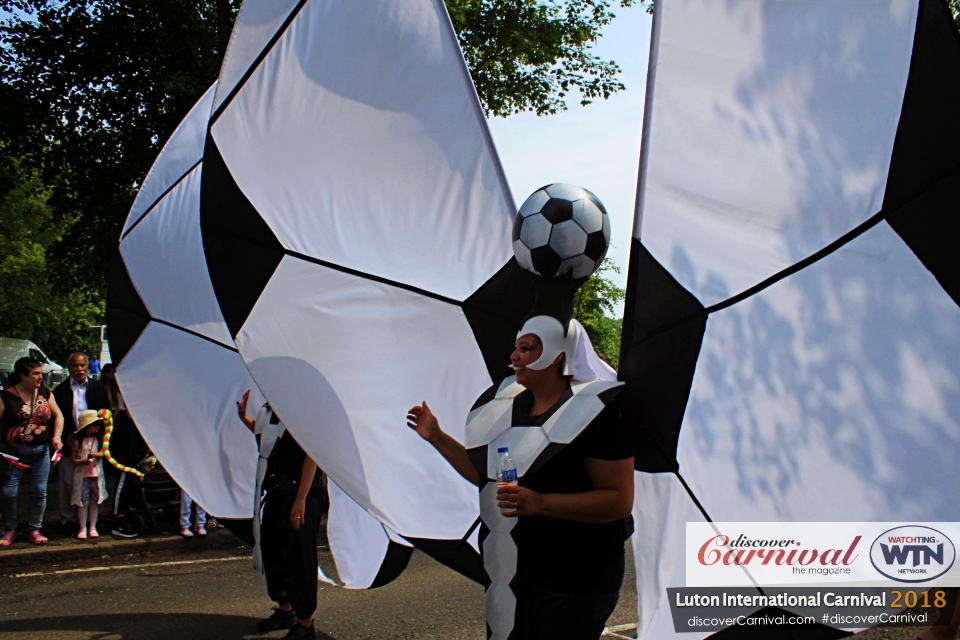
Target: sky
{"x":597,"y":146}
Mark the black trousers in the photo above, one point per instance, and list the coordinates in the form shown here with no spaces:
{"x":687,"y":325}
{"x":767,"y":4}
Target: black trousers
{"x":548,"y":615}
{"x":290,"y":555}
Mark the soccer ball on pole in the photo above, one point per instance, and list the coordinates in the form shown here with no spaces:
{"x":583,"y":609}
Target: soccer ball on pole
{"x":561,"y":228}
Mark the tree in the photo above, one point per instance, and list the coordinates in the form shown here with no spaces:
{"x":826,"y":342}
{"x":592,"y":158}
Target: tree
{"x":29,"y":307}
{"x":595,"y":307}
{"x":92,"y":89}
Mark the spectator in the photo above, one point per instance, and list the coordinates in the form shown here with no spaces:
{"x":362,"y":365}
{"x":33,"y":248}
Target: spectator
{"x":28,"y":409}
{"x":75,"y":395}
{"x":186,"y":504}
{"x":95,"y":368}
{"x":89,"y":484}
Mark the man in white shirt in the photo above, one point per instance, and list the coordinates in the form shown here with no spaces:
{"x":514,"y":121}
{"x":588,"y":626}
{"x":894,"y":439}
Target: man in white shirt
{"x":77,"y":393}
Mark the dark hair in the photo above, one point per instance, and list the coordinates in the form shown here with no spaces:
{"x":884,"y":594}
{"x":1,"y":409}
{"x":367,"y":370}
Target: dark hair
{"x":23,"y":367}
{"x":107,"y":368}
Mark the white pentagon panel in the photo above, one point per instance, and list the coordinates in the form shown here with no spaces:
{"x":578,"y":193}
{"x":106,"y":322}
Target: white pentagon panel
{"x":257,"y":22}
{"x":522,"y":253}
{"x":568,"y":239}
{"x":349,"y":166}
{"x":831,"y":396}
{"x":534,"y":203}
{"x":165,"y":260}
{"x":183,"y":150}
{"x":581,"y":266}
{"x":566,"y":424}
{"x":357,"y":540}
{"x":588,"y":215}
{"x":659,"y":551}
{"x":535,"y":231}
{"x":489,"y":421}
{"x":197,"y":434}
{"x":490,"y":512}
{"x":775,"y":143}
{"x":324,"y":330}
{"x":499,"y":598}
{"x":500,"y":556}
{"x":566,"y":191}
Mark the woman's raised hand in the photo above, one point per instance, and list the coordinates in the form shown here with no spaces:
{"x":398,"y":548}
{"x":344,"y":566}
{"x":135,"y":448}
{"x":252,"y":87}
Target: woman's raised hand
{"x":422,"y":420}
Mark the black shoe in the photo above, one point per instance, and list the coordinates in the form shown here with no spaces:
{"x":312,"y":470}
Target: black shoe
{"x":278,"y":620}
{"x":125,"y":531}
{"x":300,"y":632}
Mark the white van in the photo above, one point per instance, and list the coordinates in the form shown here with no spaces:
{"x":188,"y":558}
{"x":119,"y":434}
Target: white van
{"x":12,"y":349}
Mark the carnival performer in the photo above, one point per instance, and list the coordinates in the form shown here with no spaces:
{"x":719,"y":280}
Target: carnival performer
{"x":559,"y":532}
{"x":293,"y":501}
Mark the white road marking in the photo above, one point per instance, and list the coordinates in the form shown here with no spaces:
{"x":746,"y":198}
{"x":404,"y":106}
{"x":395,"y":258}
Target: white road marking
{"x":129,"y":566}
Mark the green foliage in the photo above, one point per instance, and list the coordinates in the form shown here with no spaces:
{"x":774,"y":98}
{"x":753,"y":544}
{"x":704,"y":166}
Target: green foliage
{"x":955,"y":10}
{"x":30,"y":306}
{"x":595,"y":308}
{"x":529,"y":55}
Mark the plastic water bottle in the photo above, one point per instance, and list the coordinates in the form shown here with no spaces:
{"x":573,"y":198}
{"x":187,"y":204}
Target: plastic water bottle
{"x":506,"y":469}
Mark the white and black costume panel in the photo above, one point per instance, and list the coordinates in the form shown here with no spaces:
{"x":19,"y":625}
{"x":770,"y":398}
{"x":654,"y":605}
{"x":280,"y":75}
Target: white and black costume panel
{"x":180,"y":371}
{"x":792,"y":336}
{"x":358,"y":238}
{"x":176,"y":363}
{"x":491,"y":425}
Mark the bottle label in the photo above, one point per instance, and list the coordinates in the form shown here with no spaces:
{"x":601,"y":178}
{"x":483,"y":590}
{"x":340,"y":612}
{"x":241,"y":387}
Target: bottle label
{"x":508,"y":476}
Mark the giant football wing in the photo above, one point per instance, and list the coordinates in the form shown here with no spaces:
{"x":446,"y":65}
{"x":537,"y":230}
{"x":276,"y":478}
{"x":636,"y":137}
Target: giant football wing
{"x":357,"y":230}
{"x":179,"y":369}
{"x":792,"y":338}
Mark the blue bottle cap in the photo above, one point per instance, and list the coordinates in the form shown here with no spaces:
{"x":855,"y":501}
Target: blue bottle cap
{"x":503,"y":449}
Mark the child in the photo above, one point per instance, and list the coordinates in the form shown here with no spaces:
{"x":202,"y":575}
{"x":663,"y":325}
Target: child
{"x":185,"y":503}
{"x":89,"y":486}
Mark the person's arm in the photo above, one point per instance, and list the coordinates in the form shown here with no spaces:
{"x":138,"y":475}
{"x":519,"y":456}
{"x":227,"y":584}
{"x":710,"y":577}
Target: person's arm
{"x":242,"y":412}
{"x":299,"y":509}
{"x":611,"y":498}
{"x":422,"y":420}
{"x":57,"y":424}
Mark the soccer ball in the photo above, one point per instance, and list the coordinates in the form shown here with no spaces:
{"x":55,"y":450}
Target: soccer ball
{"x":560,"y":228}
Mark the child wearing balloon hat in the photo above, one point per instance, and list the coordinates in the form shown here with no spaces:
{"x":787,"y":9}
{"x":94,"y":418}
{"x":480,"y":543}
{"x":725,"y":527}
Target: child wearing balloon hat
{"x":89,"y":485}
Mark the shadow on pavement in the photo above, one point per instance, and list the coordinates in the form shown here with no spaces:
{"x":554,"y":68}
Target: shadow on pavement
{"x":137,"y":626}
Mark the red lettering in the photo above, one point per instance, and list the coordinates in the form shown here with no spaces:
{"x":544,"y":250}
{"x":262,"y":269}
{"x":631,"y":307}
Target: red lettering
{"x":749,"y":557}
{"x":804,"y":553}
{"x":790,"y":557}
{"x":853,"y":545}
{"x":702,"y":555}
{"x":774,"y":553}
{"x":824,"y":557}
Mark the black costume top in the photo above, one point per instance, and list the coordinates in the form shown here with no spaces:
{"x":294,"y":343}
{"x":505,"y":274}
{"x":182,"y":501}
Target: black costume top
{"x":561,"y":555}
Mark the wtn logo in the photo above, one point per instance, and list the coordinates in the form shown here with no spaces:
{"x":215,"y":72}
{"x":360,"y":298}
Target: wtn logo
{"x":912,"y":554}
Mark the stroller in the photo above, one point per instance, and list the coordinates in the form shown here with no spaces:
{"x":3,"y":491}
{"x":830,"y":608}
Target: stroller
{"x":153,"y":500}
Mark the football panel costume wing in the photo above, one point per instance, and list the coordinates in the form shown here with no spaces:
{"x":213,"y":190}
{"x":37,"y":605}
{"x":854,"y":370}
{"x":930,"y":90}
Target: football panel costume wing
{"x":810,"y":372}
{"x":340,"y":191}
